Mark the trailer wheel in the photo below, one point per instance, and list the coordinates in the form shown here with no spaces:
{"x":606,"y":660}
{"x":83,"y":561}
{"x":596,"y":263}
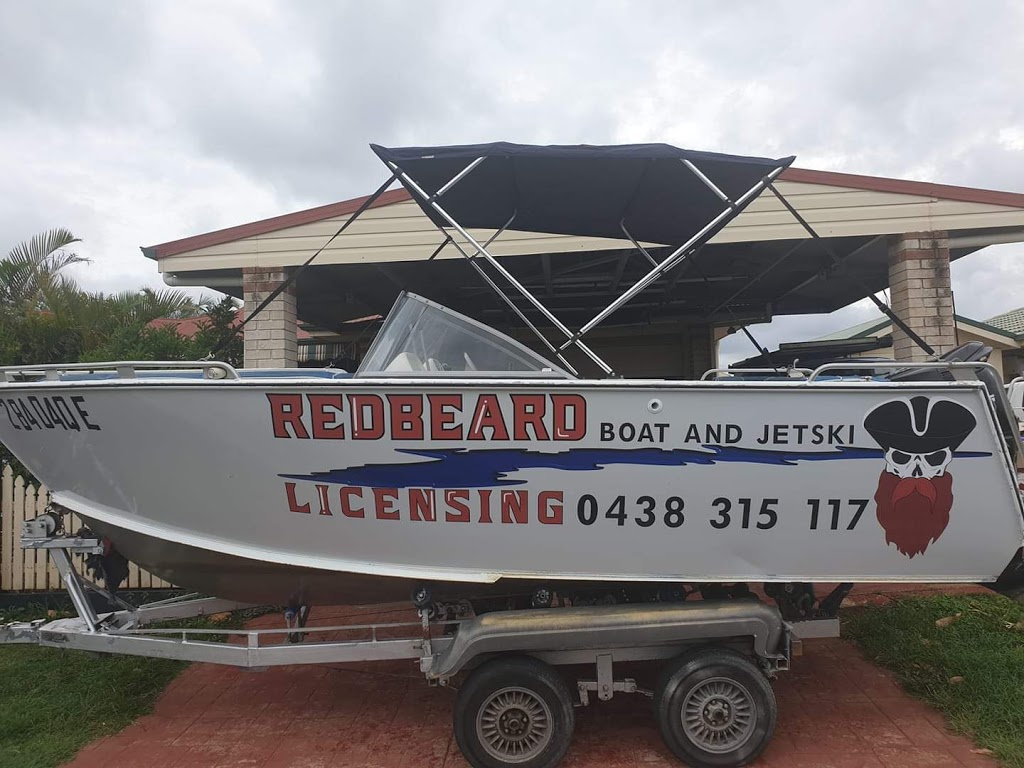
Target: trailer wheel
{"x":715,"y":708}
{"x":514,"y":712}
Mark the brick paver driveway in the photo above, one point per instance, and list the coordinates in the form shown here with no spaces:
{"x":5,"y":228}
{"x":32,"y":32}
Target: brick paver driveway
{"x":836,"y":710}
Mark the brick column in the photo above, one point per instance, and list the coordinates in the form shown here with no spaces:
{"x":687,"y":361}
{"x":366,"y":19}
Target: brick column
{"x":270,"y":337}
{"x":921,"y":293}
{"x":700,"y":350}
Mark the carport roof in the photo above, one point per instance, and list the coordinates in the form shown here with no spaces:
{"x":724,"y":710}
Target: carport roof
{"x":852,"y":181}
{"x":760,"y":265}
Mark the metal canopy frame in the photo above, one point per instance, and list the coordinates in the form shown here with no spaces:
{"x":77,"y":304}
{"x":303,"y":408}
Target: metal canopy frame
{"x":731,"y":209}
{"x":481,"y":250}
{"x":687,"y":251}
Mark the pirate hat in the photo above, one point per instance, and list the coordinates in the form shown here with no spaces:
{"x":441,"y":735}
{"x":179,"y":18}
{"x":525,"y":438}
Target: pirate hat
{"x":919,"y":425}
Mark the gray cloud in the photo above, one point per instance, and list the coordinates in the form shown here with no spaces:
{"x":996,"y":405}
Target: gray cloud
{"x":135,"y":123}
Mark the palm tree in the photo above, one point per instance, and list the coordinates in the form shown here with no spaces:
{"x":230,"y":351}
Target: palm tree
{"x":147,"y":304}
{"x":46,"y":317}
{"x":32,"y":274}
{"x":99,"y":317}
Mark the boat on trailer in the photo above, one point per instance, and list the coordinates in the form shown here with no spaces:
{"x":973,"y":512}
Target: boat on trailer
{"x":472,"y":472}
{"x":459,"y":459}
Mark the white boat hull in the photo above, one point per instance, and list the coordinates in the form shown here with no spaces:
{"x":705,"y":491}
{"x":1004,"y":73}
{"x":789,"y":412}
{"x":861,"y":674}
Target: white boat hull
{"x":359,"y":488}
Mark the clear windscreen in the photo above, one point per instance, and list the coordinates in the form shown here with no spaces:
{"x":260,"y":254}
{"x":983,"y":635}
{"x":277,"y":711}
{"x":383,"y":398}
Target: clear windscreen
{"x":420,"y":337}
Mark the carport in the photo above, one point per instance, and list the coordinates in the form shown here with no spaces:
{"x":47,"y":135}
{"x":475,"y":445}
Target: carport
{"x":875,"y":234}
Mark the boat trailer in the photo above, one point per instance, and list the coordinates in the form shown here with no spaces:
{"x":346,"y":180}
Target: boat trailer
{"x":713,"y":700}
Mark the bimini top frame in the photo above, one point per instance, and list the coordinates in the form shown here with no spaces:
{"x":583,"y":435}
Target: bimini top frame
{"x":647,"y":192}
{"x":653,"y":193}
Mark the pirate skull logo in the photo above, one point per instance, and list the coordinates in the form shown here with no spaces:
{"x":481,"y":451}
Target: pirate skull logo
{"x":927,"y":465}
{"x":915,"y":489}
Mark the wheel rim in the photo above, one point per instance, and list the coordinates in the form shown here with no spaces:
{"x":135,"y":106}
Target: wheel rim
{"x":718,"y":715}
{"x":514,"y":725}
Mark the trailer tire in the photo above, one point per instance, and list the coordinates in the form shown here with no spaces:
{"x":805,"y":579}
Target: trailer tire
{"x":514,"y":712}
{"x":715,"y":708}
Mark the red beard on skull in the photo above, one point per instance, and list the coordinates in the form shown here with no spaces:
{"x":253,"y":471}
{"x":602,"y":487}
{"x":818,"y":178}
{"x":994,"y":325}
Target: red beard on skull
{"x":914,"y":511}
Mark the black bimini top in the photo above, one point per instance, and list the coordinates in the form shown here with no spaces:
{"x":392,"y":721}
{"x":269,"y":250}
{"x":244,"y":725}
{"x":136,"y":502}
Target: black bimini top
{"x":584,"y":190}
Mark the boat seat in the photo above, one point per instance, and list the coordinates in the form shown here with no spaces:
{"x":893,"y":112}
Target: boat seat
{"x":404,"y":362}
{"x":972,"y":352}
{"x":1004,"y":412}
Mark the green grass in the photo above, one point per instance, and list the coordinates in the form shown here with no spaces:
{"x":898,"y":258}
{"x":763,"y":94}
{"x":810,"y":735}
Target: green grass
{"x":54,"y":702}
{"x":984,"y":646}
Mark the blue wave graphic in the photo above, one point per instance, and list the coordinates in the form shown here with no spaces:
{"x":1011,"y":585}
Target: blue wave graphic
{"x":488,"y":468}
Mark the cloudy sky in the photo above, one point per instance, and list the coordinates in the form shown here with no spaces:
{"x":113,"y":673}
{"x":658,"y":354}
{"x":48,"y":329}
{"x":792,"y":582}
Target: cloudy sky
{"x":135,"y":123}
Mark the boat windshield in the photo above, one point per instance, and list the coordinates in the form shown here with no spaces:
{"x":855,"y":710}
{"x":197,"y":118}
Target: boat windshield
{"x":421,"y":338}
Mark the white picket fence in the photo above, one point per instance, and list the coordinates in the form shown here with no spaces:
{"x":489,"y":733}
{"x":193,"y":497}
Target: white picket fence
{"x":31,"y":571}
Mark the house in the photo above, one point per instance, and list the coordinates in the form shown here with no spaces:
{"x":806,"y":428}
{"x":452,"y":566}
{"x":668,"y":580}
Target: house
{"x":316,"y":347}
{"x":874,"y":339}
{"x":875,"y":233}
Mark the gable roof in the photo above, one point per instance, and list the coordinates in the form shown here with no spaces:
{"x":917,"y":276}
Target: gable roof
{"x":274,"y":223}
{"x":795,"y":175}
{"x":882,"y":327}
{"x":905,"y":187}
{"x":1011,"y":322}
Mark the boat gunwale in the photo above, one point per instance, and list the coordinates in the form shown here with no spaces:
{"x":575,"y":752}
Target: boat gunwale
{"x":852,"y":383}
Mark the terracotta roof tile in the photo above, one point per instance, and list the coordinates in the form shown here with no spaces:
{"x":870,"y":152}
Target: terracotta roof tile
{"x":190,"y":326}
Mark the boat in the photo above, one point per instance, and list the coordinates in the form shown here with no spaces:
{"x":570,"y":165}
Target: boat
{"x":460,"y":462}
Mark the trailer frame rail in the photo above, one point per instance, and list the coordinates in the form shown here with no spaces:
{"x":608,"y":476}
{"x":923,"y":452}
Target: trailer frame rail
{"x":442,"y":647}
